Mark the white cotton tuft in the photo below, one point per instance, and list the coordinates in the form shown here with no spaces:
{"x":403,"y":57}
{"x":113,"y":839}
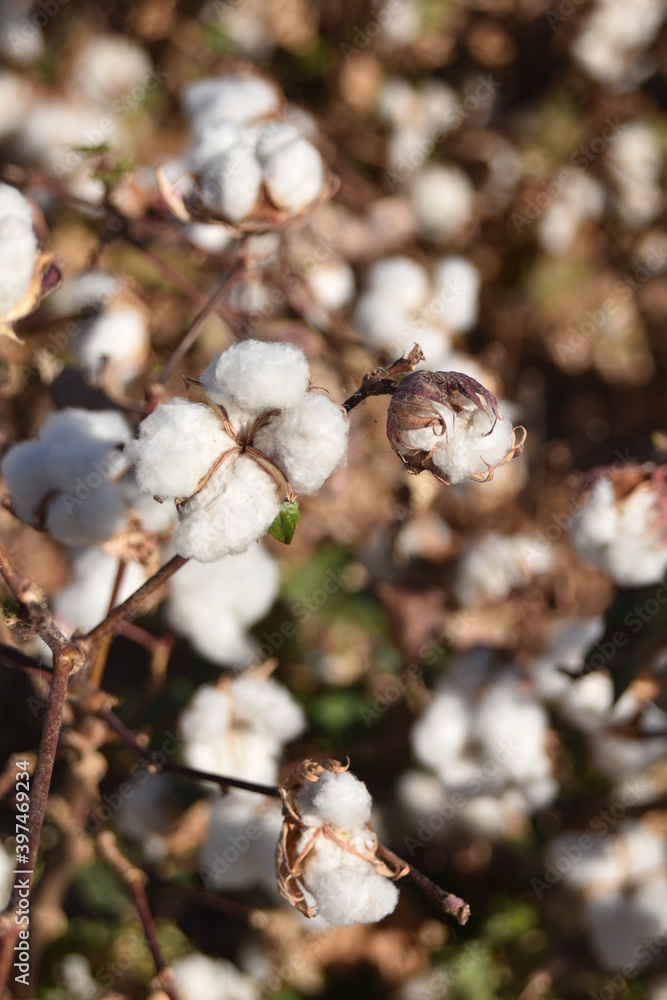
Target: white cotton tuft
{"x":331,"y":284}
{"x":494,"y":565}
{"x":88,"y":291}
{"x":177,"y":445}
{"x":238,"y":505}
{"x":335,"y":799}
{"x":443,"y":200}
{"x":110,"y":66}
{"x":84,"y":601}
{"x":308,"y":441}
{"x":120,"y":335}
{"x":211,"y":142}
{"x":274,"y":136}
{"x":207,"y":716}
{"x":238,"y":99}
{"x":294,"y":175}
{"x":346,"y":888}
{"x":264,"y":704}
{"x":213,"y":604}
{"x":255,"y":825}
{"x":230,"y":182}
{"x":199,"y":977}
{"x":258,"y":376}
{"x":13,"y":203}
{"x":18,"y":255}
{"x":505,"y":719}
{"x":457,"y":284}
{"x":440,"y":734}
{"x":401,"y":280}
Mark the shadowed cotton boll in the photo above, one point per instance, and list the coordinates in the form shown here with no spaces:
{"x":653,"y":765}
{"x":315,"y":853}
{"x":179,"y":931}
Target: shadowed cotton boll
{"x":107,"y":67}
{"x":198,"y":977}
{"x":239,"y":99}
{"x":494,"y":565}
{"x":120,"y":336}
{"x":610,"y":47}
{"x":254,"y":824}
{"x":214,"y":604}
{"x":18,"y":248}
{"x":84,"y":602}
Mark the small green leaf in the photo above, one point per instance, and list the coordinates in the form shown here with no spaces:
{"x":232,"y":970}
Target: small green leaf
{"x":95,"y":150}
{"x":284,"y":526}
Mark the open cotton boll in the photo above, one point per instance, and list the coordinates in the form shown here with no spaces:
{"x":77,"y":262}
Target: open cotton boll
{"x":294,"y":175}
{"x":241,"y":819}
{"x":272,"y":137}
{"x":346,"y":888}
{"x":13,"y":203}
{"x":457,"y":283}
{"x":84,"y":601}
{"x":335,"y":799}
{"x":109,"y":66}
{"x":199,"y":977}
{"x":88,"y":291}
{"x":505,"y":719}
{"x":443,"y":200}
{"x":401,"y":280}
{"x":264,"y":704}
{"x":230,"y":182}
{"x":18,"y":255}
{"x":259,"y":376}
{"x":495,"y":564}
{"x":208,"y":236}
{"x":53,"y":127}
{"x":121,"y":335}
{"x":211,"y":142}
{"x":239,"y":99}
{"x":621,"y":925}
{"x":473,"y":446}
{"x":331,"y":284}
{"x":177,"y":445}
{"x":26,"y":478}
{"x":439,"y":736}
{"x":237,"y":506}
{"x":207,"y":716}
{"x":308,"y":441}
{"x":213,"y":604}
{"x":100,"y":515}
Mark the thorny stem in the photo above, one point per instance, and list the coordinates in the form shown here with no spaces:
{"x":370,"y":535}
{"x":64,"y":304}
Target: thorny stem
{"x":134,"y":880}
{"x":383,"y":381}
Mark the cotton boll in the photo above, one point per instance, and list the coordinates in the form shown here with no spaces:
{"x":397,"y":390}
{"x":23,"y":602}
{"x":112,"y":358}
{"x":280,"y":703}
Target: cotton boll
{"x":474,"y":446}
{"x":159,"y":518}
{"x":53,"y":127}
{"x":618,"y":756}
{"x":213,"y":604}
{"x":18,"y":254}
{"x":509,"y":722}
{"x":232,"y":818}
{"x":109,"y":66}
{"x":294,"y":175}
{"x":208,"y":236}
{"x":237,"y":506}
{"x":15,"y":97}
{"x":246,"y":755}
{"x":346,"y":888}
{"x":457,"y":284}
{"x":443,"y":200}
{"x":420,"y":793}
{"x":26,"y":478}
{"x":331,"y":284}
{"x":89,"y":291}
{"x":199,"y":977}
{"x":121,"y":335}
{"x":494,"y":565}
{"x":101,"y":515}
{"x":230,"y":182}
{"x":177,"y":445}
{"x":259,"y":376}
{"x":621,"y":924}
{"x":211,"y":142}
{"x":208,"y":716}
{"x":440,"y":734}
{"x":401,"y":280}
{"x":308,"y":442}
{"x":338,"y":800}
{"x":238,"y":99}
{"x":12,"y":203}
{"x":264,"y":704}
{"x":84,"y":601}
{"x":274,"y":136}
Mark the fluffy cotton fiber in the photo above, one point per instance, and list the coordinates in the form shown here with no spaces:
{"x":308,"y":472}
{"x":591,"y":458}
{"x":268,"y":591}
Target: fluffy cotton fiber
{"x":18,"y":248}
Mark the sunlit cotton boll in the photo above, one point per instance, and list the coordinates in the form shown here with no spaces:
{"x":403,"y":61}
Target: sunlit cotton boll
{"x":294,"y":175}
{"x":494,"y":565}
{"x":443,"y":200}
{"x":18,"y":249}
{"x":243,"y":100}
{"x":331,"y":284}
{"x":231,"y":181}
{"x":84,"y":601}
{"x":119,"y":336}
{"x":252,"y":823}
{"x":624,"y":537}
{"x":109,"y":67}
{"x":199,"y":977}
{"x":214,"y":604}
{"x":335,"y":799}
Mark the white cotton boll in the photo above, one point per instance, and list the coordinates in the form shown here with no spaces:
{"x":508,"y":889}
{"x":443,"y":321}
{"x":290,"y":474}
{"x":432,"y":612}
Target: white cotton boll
{"x":473,"y":443}
{"x":88,"y":291}
{"x":443,"y":200}
{"x":84,"y":601}
{"x":156,"y":517}
{"x":87,"y":445}
{"x":213,"y":604}
{"x":121,"y":335}
{"x":347,"y":889}
{"x":26,"y":478}
{"x":53,"y":127}
{"x":109,"y":66}
{"x":331,"y":284}
{"x":257,"y":375}
{"x":618,"y":756}
{"x":13,"y":203}
{"x":338,"y":800}
{"x":622,"y":924}
{"x":509,"y":722}
{"x":294,"y":175}
{"x":379,"y":319}
{"x":6,"y":876}
{"x":401,"y":280}
{"x":440,"y":734}
{"x":211,"y":142}
{"x":243,"y":754}
{"x":230,"y":182}
{"x":210,"y":237}
{"x":18,"y":255}
{"x":494,"y":565}
{"x":199,"y":977}
{"x":420,"y":793}
{"x":208,"y":716}
{"x":237,"y":506}
{"x":177,"y":445}
{"x":15,"y":97}
{"x":101,"y":515}
{"x":239,"y":818}
{"x":457,"y":283}
{"x":75,"y":973}
{"x":308,"y":441}
{"x":272,"y":137}
{"x":264,"y":704}
{"x":239,"y":99}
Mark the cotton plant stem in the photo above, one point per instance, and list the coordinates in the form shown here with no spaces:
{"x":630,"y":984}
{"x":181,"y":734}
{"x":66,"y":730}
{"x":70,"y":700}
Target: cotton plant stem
{"x":131,"y":606}
{"x":135,"y":879}
{"x":101,"y":654}
{"x":383,"y":381}
{"x":171,"y":767}
{"x":450,"y":903}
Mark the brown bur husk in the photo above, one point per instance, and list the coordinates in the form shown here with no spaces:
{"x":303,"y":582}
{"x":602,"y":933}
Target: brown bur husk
{"x":290,"y":862}
{"x":46,"y":278}
{"x":413,"y":407}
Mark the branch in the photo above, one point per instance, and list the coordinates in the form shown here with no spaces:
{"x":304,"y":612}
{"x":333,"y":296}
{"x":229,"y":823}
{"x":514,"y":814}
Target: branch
{"x":383,"y":381}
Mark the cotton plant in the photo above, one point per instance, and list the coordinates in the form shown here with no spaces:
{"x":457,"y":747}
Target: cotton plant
{"x":74,"y":480}
{"x":199,"y":977}
{"x":251,"y":165}
{"x":402,"y":304}
{"x":612,"y":45}
{"x":329,"y":861}
{"x":214,"y":604}
{"x":26,"y":274}
{"x":240,"y":726}
{"x":636,"y":163}
{"x":443,"y":200}
{"x":484,"y":739}
{"x":581,"y":200}
{"x":621,"y":527}
{"x":622,"y":886}
{"x":261,"y":436}
{"x":252,"y":823}
{"x":493,"y":565}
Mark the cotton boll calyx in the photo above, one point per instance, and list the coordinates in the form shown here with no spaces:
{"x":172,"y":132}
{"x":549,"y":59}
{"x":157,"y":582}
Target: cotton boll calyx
{"x":448,"y":423}
{"x":329,"y":860}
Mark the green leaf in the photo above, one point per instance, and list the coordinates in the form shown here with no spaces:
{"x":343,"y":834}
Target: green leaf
{"x":284,"y":526}
{"x":94,"y":150}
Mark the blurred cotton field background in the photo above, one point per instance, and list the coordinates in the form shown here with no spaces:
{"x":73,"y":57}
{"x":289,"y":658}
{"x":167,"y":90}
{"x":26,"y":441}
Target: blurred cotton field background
{"x":485,"y":179}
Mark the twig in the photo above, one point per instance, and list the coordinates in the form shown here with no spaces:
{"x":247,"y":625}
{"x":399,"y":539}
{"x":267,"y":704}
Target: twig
{"x":135,"y":879}
{"x":450,"y":903}
{"x":170,"y":767}
{"x":383,"y":381}
{"x":11,"y":657}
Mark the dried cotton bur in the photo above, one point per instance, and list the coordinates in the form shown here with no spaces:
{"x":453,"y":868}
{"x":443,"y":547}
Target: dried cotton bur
{"x":329,"y":861}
